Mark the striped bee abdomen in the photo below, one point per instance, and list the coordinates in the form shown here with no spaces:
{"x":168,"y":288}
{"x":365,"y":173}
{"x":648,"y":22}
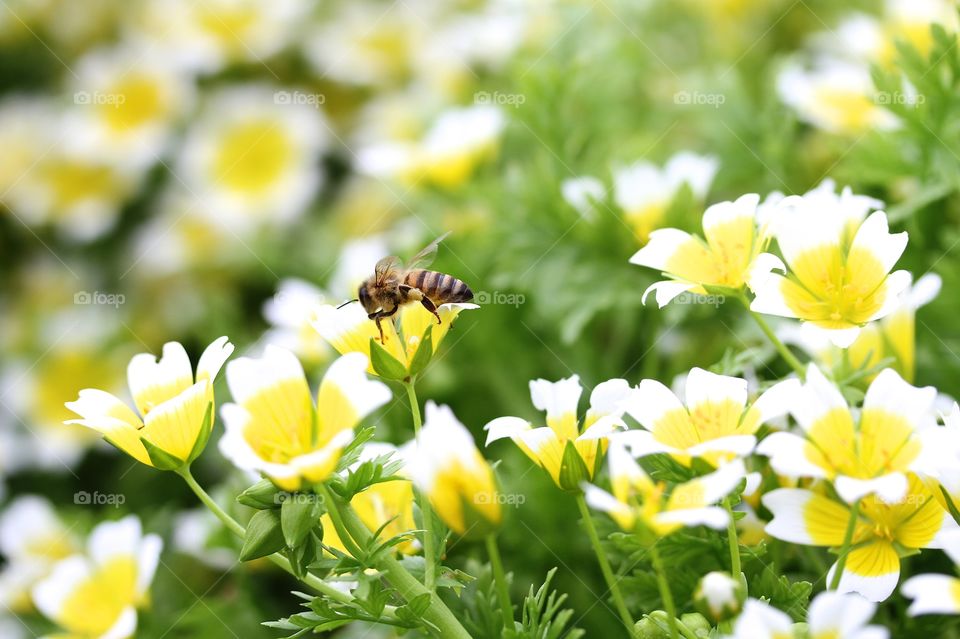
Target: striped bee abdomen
{"x":439,"y":287}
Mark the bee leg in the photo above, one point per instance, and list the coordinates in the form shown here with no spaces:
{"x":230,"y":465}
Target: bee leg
{"x":430,"y":306}
{"x":379,"y":315}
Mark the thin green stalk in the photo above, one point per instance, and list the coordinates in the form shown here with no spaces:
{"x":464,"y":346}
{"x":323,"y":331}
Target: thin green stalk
{"x":732,"y":541}
{"x":785,"y":353}
{"x":426,"y":512}
{"x":237,"y":528}
{"x":503,"y":592}
{"x":605,"y":565}
{"x":845,"y":548}
{"x":437,"y":614}
{"x":665,"y":594}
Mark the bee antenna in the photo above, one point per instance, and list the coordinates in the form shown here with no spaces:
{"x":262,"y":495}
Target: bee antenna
{"x":348,"y":302}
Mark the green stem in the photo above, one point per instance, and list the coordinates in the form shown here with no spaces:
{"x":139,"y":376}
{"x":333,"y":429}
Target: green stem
{"x":426,"y":512}
{"x":732,"y":541}
{"x":503,"y":591}
{"x":785,"y":353}
{"x":845,"y":548}
{"x":237,"y":528}
{"x":437,"y":614}
{"x":605,"y":565}
{"x":665,"y":594}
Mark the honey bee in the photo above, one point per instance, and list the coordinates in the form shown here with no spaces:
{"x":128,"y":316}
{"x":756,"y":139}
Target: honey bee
{"x":393,"y":285}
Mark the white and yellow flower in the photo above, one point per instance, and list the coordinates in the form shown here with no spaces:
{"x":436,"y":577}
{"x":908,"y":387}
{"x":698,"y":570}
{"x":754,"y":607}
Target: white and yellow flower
{"x":568,"y":451}
{"x":936,"y":594}
{"x":861,"y":452}
{"x":50,"y":182}
{"x":891,"y":338}
{"x":839,"y":275}
{"x":126,"y":101}
{"x":447,"y":155}
{"x":884,"y":531}
{"x":175,"y":407}
{"x":831,"y":615}
{"x":252,"y":156}
{"x":638,"y":502}
{"x":644,"y":191}
{"x":729,"y":257}
{"x":349,"y":330}
{"x":714,"y":422}
{"x":836,"y":95}
{"x":96,"y":595}
{"x":275,"y":429}
{"x":583,"y":193}
{"x":206,"y":36}
{"x":446,"y":466}
{"x":386,"y":506}
{"x":32,"y":539}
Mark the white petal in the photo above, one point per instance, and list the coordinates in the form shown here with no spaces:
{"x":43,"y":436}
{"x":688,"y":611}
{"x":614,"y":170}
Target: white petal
{"x":213,"y":358}
{"x":641,"y":443}
{"x":651,"y":402}
{"x":786,"y":453}
{"x":662,"y":245}
{"x":721,"y":482}
{"x":924,"y":291}
{"x":818,"y":396}
{"x":932,"y":595}
{"x":502,"y":427}
{"x":113,"y":538}
{"x":667,"y":290}
{"x":769,"y":298}
{"x":787,"y":506}
{"x":763,"y":265}
{"x":775,"y":402}
{"x":124,"y":627}
{"x":703,"y":386}
{"x":897,"y":287}
{"x":711,"y":516}
{"x":349,"y":374}
{"x":601,"y":500}
{"x":248,"y":376}
{"x":872,"y":588}
{"x":890,"y":393}
{"x":843,"y":614}
{"x":889,"y":488}
{"x":760,"y":620}
{"x":739,"y":445}
{"x":556,"y":398}
{"x":50,"y":594}
{"x":172,"y":370}
{"x":609,"y":397}
{"x":874,"y":236}
{"x":721,"y":213}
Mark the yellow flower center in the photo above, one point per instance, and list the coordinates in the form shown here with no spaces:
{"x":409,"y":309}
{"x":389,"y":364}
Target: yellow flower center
{"x":253,"y":156}
{"x":140,"y":101}
{"x":96,"y":604}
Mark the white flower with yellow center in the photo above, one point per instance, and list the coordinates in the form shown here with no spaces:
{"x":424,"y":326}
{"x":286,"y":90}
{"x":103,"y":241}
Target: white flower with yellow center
{"x":176,"y":408}
{"x":891,"y":338}
{"x":386,"y":506}
{"x":206,"y":36}
{"x":96,"y":594}
{"x":637,"y":501}
{"x":839,"y":275}
{"x":349,"y":330}
{"x":863,"y":451}
{"x":32,"y":539}
{"x":568,"y":451}
{"x":252,"y":157}
{"x":275,"y":429}
{"x":942,"y":472}
{"x":447,"y":155}
{"x":47,"y":181}
{"x":644,"y":191}
{"x":714,"y":422}
{"x":447,"y":467}
{"x":729,"y":257}
{"x":936,"y":594}
{"x":836,"y":96}
{"x":583,"y":193}
{"x":126,"y":102}
{"x":883,"y":533}
{"x":831,"y":615}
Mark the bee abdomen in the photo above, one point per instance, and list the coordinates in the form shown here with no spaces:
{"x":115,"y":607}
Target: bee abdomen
{"x":439,"y":287}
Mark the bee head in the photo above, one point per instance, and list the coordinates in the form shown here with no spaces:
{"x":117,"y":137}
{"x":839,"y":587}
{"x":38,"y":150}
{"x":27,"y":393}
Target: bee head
{"x":369,"y":305}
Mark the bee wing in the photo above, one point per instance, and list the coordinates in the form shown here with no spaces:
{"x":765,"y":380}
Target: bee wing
{"x":425,"y":256}
{"x":384,"y":266}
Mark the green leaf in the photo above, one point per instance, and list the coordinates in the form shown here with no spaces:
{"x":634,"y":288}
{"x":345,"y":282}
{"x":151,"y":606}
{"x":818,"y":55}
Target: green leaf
{"x":161,"y":459}
{"x":262,"y":495}
{"x":299,"y":514}
{"x":424,"y":353}
{"x":572,"y":469}
{"x":264,"y":536}
{"x":385,"y":364}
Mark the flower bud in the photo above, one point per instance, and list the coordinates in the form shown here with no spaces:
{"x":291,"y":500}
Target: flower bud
{"x":719,"y":596}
